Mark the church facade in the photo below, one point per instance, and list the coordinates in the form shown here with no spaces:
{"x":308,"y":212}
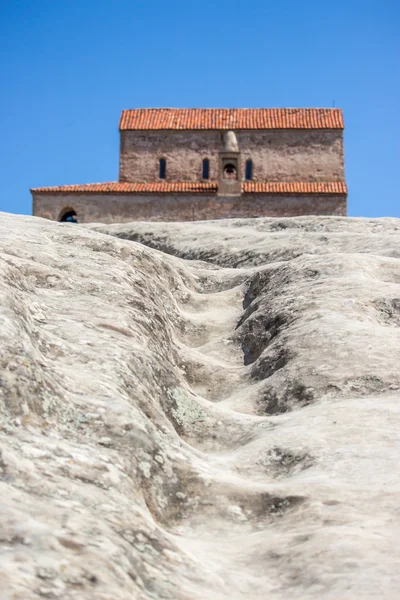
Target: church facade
{"x":196,"y":164}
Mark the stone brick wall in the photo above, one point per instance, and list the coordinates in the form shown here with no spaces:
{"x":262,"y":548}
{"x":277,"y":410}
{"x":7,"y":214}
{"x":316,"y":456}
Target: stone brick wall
{"x":109,"y":208}
{"x":278,"y":155}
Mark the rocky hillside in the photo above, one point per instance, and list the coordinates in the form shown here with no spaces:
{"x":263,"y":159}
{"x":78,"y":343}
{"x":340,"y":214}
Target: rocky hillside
{"x":212,"y":415}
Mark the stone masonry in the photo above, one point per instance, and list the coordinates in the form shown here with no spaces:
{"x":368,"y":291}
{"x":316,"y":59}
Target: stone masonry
{"x":298,"y":155}
{"x":120,"y":208}
{"x":296,"y":158}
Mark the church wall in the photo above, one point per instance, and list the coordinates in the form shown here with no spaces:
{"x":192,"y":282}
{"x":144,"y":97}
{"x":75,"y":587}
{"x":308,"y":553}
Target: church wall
{"x":113,"y":208}
{"x":277,"y":155}
{"x":299,"y":155}
{"x":184,"y":151}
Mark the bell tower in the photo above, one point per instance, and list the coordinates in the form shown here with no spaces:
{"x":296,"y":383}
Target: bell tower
{"x":230,"y":179}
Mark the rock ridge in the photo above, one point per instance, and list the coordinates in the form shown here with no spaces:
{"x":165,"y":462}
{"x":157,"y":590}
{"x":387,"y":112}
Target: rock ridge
{"x":211,"y":414}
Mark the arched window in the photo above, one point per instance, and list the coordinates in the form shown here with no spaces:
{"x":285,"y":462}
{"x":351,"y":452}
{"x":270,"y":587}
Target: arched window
{"x":249,"y":169}
{"x":69,"y":216}
{"x":230,"y":172}
{"x":163,"y":168}
{"x":206,"y":168}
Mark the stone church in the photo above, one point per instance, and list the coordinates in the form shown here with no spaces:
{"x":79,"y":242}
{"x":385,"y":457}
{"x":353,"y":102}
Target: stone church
{"x":194,"y":164}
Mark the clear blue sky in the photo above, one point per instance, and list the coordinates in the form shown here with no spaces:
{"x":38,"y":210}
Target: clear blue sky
{"x":68,"y":68}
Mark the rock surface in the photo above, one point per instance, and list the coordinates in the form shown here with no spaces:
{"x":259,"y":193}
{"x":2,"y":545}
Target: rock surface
{"x":216,"y":420}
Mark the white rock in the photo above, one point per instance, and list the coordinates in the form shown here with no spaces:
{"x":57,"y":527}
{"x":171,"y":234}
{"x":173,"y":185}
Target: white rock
{"x":133,"y":477}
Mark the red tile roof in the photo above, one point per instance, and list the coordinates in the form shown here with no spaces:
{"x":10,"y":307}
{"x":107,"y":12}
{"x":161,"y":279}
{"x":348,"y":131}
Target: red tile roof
{"x":231,"y":118}
{"x":175,"y":187}
{"x":121,"y":187}
{"x":314,"y":187}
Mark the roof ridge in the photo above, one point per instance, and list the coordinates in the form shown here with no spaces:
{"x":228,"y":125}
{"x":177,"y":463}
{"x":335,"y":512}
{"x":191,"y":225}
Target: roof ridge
{"x":151,"y":119}
{"x":231,"y":108}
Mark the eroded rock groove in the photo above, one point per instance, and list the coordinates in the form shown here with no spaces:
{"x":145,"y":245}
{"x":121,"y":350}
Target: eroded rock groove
{"x":179,"y":429}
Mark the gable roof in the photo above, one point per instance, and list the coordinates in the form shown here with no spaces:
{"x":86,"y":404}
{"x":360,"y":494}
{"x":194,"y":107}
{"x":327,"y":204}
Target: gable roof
{"x":201,"y":187}
{"x":152,"y":119}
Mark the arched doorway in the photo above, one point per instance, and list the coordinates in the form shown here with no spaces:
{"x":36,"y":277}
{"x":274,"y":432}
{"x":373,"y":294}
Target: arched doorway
{"x":68,"y":215}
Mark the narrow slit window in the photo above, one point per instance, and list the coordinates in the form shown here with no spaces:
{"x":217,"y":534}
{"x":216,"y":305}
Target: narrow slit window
{"x":249,"y":169}
{"x":163,"y":168}
{"x":206,"y":168}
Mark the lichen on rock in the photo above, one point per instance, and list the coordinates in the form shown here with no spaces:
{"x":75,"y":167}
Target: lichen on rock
{"x":217,"y":421}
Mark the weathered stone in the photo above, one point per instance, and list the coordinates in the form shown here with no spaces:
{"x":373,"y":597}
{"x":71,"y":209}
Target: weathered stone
{"x":277,"y":155}
{"x":167,"y":162}
{"x":148,"y":460}
{"x":120,"y":208}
